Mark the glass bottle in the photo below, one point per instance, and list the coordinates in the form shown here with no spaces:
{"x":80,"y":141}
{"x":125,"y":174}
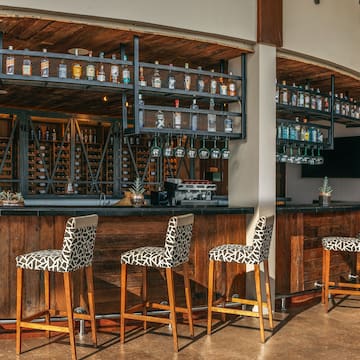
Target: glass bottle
{"x":277,"y":93}
{"x":125,"y":72}
{"x":44,"y":65}
{"x":27,"y":66}
{"x":177,"y":116}
{"x":223,"y":87}
{"x":318,"y":100}
{"x":294,"y":95}
{"x":213,"y":84}
{"x":47,"y":134}
{"x":337,"y":104}
{"x":228,"y":124}
{"x":326,"y":104}
{"x":141,"y":111}
{"x":76,"y":67}
{"x":90,"y":69}
{"x":301,"y":98}
{"x":100,"y":76}
{"x":62,"y":70}
{"x":114,"y":70}
{"x":187,"y":78}
{"x":10,"y":63}
{"x":160,"y":120}
{"x":142,"y":81}
{"x":156,"y":79}
{"x":171,"y":78}
{"x":211,"y":117}
{"x":200,"y":82}
{"x":312,"y":99}
{"x":306,"y":97}
{"x":284,"y":94}
{"x":231,"y":86}
{"x":194,"y":115}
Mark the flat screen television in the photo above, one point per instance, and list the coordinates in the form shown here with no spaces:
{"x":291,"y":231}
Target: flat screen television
{"x":342,"y":162}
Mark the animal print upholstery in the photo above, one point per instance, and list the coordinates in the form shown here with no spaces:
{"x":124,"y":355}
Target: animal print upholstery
{"x":77,"y":250}
{"x":341,"y":243}
{"x":175,"y":252}
{"x":247,"y":254}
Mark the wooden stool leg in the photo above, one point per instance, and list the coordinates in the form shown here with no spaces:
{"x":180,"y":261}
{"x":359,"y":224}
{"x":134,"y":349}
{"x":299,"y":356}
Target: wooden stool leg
{"x":259,"y":300}
{"x":69,"y":309}
{"x":188,"y":298}
{"x":171,"y":294}
{"x":210,"y":294}
{"x":91,"y":301}
{"x":323,"y":278}
{"x":19,"y":294}
{"x":47,"y":300}
{"x":268,"y":293}
{"x":123,"y":284}
{"x":224,"y":267}
{"x":145,"y":292}
{"x":326,"y":276}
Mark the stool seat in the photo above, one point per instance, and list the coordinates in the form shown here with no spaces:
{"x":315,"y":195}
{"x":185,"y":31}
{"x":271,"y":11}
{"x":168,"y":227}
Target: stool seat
{"x":341,"y":243}
{"x":234,"y":253}
{"x":49,"y":260}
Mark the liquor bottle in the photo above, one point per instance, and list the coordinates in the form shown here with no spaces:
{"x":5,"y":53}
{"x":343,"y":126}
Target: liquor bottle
{"x":228,"y":124}
{"x":26,"y":66}
{"x":318,"y":100}
{"x":312,"y":99}
{"x":39,"y":133}
{"x":284,"y":94}
{"x":223,"y":87}
{"x":47,"y":134}
{"x":10,"y":63}
{"x":125,"y":72}
{"x":213,"y":84}
{"x":294,"y":95}
{"x":177,"y":116}
{"x":76,"y":67}
{"x":44,"y":65}
{"x":53,"y":134}
{"x":187,"y":78}
{"x":171,"y":78}
{"x":141,"y":111}
{"x":326,"y":104}
{"x":231,"y":86}
{"x":194,"y":115}
{"x":62,"y":70}
{"x":301,"y":98}
{"x":100,"y":76}
{"x":337,"y":104}
{"x":159,"y":120}
{"x":156,"y":79}
{"x":91,"y":139}
{"x":90,"y":69}
{"x":114,"y":71}
{"x":200,"y":82}
{"x":142,"y":81}
{"x":211,"y":117}
{"x":306,"y":97}
{"x":277,"y":93}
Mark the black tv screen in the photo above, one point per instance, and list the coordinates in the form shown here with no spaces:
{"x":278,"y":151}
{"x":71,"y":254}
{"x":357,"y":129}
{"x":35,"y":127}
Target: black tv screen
{"x":342,"y":162}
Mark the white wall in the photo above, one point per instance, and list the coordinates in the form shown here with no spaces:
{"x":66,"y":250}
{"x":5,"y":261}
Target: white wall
{"x":329,"y":31}
{"x":230,"y":18}
{"x":305,"y":190}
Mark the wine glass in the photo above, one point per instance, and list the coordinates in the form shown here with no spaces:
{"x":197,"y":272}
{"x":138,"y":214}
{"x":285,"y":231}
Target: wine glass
{"x":319,"y":159}
{"x":155,"y":150}
{"x":283,"y":156}
{"x":225,"y":152}
{"x":191,"y":151}
{"x":203,"y":152}
{"x":168,"y":150}
{"x":179,"y":150}
{"x":215,"y":152}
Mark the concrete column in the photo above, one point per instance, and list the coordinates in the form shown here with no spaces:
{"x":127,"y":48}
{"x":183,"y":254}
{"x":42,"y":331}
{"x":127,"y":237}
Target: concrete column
{"x":252,"y":166}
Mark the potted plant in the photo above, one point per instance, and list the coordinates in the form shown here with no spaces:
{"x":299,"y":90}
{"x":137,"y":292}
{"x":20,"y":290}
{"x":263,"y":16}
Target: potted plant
{"x":325,"y":192}
{"x":8,"y":198}
{"x":137,"y":193}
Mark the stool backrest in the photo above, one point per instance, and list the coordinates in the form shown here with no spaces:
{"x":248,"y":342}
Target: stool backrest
{"x":262,"y":239}
{"x":79,"y":242}
{"x":178,"y":240}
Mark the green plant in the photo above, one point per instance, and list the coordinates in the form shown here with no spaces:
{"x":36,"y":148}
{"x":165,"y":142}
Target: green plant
{"x":137,"y":187}
{"x":10,"y":196}
{"x":325,"y":188}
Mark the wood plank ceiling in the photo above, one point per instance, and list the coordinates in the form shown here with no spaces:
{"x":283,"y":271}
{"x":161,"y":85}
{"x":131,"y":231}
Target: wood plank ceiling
{"x":57,"y":36}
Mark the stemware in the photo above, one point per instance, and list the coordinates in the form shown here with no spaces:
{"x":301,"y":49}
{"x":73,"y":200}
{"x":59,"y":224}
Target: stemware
{"x":215,"y":152}
{"x":203,"y":152}
{"x":179,"y":150}
{"x":225,"y":152}
{"x":155,"y":150}
{"x":168,"y":150}
{"x":319,"y":160}
{"x":283,"y":155}
{"x":191,"y":151}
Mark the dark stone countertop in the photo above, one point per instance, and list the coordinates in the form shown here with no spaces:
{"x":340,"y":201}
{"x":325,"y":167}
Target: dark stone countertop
{"x":120,"y":211}
{"x":315,"y":208}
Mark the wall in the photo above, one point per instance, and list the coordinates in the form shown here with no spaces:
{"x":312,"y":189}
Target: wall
{"x":305,"y":190}
{"x":230,"y":18}
{"x":329,"y":31}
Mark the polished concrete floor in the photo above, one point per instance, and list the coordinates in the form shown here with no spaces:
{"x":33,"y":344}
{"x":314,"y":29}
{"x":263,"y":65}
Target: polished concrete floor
{"x":302,"y":333}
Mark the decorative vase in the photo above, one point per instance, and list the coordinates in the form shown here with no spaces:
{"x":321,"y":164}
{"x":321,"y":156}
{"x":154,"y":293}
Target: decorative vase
{"x":324,"y":200}
{"x":137,"y":200}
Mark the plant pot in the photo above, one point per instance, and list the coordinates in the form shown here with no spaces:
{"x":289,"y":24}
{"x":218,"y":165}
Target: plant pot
{"x":137,"y":200}
{"x":324,"y":200}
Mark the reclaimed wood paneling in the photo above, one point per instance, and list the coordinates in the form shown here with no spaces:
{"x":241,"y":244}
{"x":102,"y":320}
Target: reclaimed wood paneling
{"x":115,"y":235}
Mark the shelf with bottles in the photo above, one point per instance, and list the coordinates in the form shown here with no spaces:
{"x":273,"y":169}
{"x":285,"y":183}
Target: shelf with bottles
{"x":6,"y":168}
{"x":42,"y":68}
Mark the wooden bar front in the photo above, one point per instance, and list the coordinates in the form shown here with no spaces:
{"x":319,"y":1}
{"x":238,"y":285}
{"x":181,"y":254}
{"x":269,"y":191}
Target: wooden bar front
{"x":115,"y":234}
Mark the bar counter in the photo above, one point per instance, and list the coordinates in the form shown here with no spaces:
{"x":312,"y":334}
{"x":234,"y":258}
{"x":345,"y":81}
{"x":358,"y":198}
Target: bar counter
{"x":299,"y":230}
{"x":30,"y":228}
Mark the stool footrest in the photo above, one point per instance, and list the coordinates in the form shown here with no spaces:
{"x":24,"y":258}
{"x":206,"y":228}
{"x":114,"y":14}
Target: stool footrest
{"x":344,"y":285}
{"x":232,"y":311}
{"x":247,"y":301}
{"x":146,"y":318}
{"x":37,"y":326}
{"x":344,"y":292}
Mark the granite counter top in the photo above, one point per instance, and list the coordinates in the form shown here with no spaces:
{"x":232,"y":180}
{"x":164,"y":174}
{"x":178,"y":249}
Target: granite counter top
{"x":315,"y":208}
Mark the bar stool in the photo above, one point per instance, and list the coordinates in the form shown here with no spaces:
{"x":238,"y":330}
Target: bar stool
{"x":255,"y":254}
{"x":337,"y":243}
{"x":77,"y":253}
{"x":174,"y":253}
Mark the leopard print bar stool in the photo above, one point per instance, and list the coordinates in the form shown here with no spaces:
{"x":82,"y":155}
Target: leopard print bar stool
{"x":255,"y":254}
{"x":77,"y":253}
{"x":337,"y":243}
{"x":174,"y":253}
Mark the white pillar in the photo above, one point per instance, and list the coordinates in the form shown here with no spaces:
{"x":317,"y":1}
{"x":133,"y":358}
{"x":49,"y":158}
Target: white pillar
{"x":252,"y":165}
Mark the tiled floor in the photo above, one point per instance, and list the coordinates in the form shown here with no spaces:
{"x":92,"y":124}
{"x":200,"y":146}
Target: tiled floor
{"x":307,"y":334}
